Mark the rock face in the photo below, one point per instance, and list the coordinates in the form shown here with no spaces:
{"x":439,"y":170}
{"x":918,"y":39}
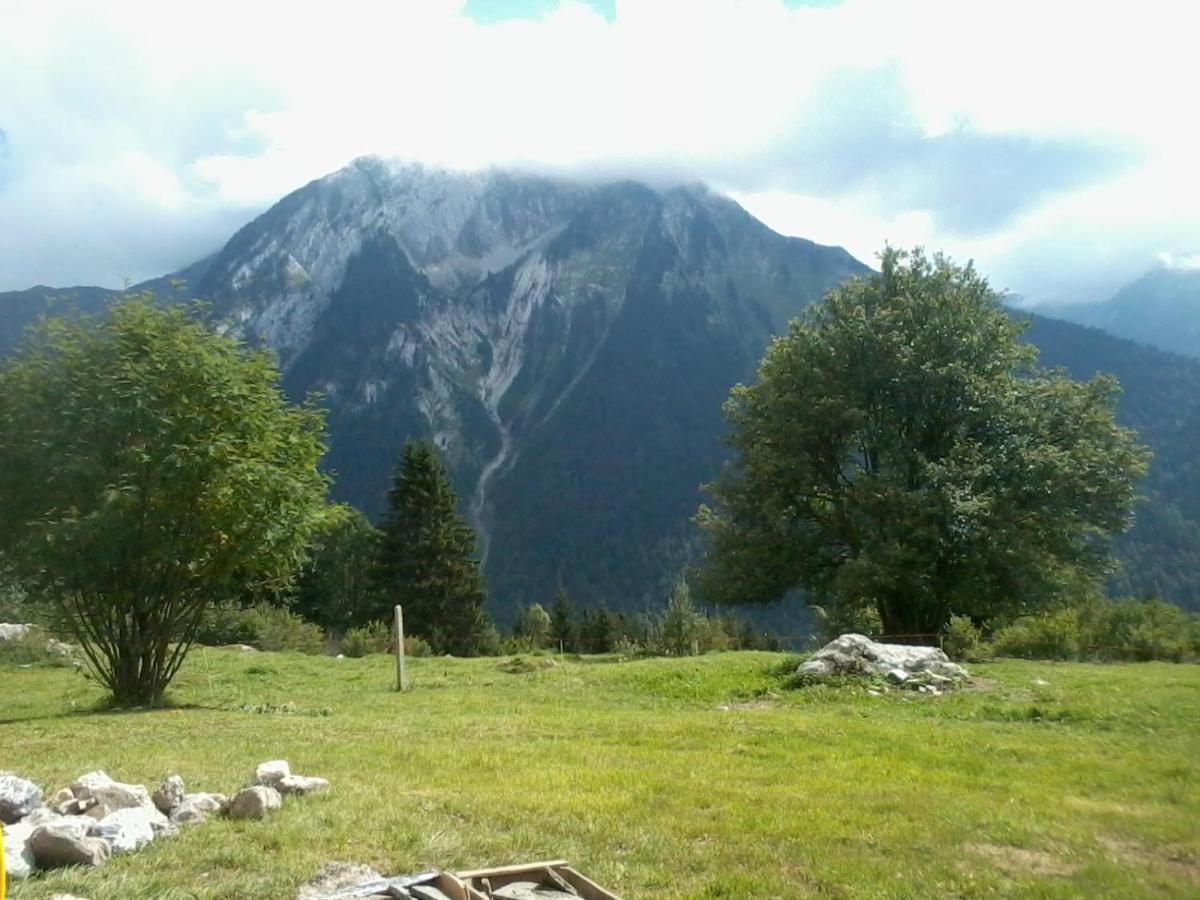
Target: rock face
{"x":65,"y":843}
{"x":18,"y":858}
{"x":18,"y":798}
{"x":254,"y":802}
{"x":854,"y":654}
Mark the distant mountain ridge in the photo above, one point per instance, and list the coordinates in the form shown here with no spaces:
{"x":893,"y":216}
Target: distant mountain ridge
{"x":1162,"y":309}
{"x":566,"y":345}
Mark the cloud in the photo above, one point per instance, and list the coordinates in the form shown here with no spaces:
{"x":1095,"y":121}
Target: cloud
{"x":142,"y":133}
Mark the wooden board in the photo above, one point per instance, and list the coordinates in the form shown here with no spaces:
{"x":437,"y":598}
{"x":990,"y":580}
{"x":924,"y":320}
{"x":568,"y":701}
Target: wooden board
{"x":502,"y":875}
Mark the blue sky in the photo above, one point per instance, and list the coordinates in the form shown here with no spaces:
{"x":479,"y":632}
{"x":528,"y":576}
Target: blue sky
{"x":1051,"y":143}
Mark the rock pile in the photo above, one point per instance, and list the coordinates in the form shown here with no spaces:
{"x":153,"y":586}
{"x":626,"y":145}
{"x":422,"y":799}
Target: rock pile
{"x":926,"y":669}
{"x":96,"y":817}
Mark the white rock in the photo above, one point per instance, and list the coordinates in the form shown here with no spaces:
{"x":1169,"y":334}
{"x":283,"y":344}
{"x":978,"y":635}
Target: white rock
{"x":126,"y":830}
{"x":196,"y":808}
{"x":896,"y":676}
{"x":59,"y":844}
{"x":113,"y":795}
{"x":10,"y":631}
{"x":18,"y":798}
{"x":169,"y":794}
{"x":271,"y":773}
{"x":855,"y":654}
{"x":300,"y":784}
{"x":254,"y":802}
{"x":18,"y":858}
{"x":335,"y":876}
{"x":59,"y":648}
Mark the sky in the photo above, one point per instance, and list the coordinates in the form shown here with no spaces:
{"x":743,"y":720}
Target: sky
{"x":1052,"y":142}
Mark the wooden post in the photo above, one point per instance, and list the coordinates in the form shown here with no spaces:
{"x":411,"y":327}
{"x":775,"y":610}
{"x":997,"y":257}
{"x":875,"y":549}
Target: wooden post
{"x":401,"y":675}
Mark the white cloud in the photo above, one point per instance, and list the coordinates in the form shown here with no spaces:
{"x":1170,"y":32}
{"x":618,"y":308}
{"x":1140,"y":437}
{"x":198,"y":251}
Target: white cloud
{"x":139,"y":132}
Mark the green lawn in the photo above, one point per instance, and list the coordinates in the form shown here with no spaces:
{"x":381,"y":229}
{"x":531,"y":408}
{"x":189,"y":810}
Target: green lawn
{"x":702,"y":777}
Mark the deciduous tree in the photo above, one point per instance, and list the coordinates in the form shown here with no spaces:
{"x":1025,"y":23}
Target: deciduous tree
{"x":902,"y":450}
{"x":149,"y":467}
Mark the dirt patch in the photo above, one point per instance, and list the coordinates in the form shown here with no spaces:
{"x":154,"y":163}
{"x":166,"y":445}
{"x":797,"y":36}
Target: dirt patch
{"x":1175,"y":861}
{"x":1109,"y":807}
{"x":1018,"y":861}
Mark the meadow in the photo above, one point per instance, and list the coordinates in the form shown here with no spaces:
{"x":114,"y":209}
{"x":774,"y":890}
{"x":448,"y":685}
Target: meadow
{"x":703,"y":777}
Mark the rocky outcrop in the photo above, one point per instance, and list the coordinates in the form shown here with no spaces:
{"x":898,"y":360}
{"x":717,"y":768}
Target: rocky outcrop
{"x":899,"y":664}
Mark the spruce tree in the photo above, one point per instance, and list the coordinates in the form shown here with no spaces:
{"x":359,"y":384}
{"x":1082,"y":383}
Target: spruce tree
{"x":427,"y":558}
{"x":562,"y":624}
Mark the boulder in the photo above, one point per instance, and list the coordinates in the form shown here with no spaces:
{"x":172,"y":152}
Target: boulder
{"x":254,"y":802}
{"x":196,"y":808}
{"x":854,"y":654}
{"x":271,"y":773}
{"x":10,"y":631}
{"x":109,"y":796}
{"x":18,"y":798}
{"x":62,"y":843}
{"x":300,"y":784}
{"x":18,"y":858}
{"x":169,"y":794}
{"x":59,"y":648}
{"x":125,"y":830}
{"x":336,"y":876}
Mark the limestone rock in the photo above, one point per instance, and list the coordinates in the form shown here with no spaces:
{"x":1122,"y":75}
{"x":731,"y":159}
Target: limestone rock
{"x":125,"y":830}
{"x":271,"y":773}
{"x":254,"y":802}
{"x":113,"y":795}
{"x":300,"y":784}
{"x":18,"y":858}
{"x":60,"y":844}
{"x":334,"y":876}
{"x":196,"y":808}
{"x":11,"y":631}
{"x":169,"y":794}
{"x":18,"y":798}
{"x":854,"y":654}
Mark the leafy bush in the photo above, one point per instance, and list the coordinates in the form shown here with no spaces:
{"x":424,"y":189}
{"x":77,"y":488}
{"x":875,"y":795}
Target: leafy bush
{"x":262,"y":625}
{"x":1130,"y":630}
{"x":374,"y":637}
{"x":962,"y":640}
{"x":228,"y":623}
{"x":1053,"y":635}
{"x":417,"y":646}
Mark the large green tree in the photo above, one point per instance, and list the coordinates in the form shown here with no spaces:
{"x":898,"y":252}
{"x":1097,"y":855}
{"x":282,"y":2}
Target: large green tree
{"x":427,"y":561}
{"x":902,"y":450}
{"x":148,"y":467}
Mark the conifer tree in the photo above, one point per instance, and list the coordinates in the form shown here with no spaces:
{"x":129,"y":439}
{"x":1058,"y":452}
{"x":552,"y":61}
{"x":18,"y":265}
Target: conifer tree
{"x":562,"y":623}
{"x":427,"y":558}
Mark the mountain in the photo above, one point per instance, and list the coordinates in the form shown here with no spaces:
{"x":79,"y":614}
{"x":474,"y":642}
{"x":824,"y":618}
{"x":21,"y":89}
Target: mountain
{"x":568,"y":347}
{"x":1162,"y":309}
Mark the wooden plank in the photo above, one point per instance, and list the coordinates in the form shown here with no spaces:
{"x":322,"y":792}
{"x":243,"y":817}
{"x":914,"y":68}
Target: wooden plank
{"x":519,"y":869}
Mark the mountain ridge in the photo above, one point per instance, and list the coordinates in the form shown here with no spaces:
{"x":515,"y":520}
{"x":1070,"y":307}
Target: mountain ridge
{"x":566,"y":345}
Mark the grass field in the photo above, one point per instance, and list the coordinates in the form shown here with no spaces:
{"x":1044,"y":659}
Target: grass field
{"x":703,"y":777}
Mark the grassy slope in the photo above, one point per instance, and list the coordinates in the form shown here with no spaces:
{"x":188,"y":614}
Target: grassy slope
{"x":635,"y":772}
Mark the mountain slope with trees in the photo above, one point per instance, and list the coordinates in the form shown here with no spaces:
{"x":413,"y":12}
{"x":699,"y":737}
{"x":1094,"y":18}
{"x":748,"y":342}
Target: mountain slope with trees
{"x":567,"y":346}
